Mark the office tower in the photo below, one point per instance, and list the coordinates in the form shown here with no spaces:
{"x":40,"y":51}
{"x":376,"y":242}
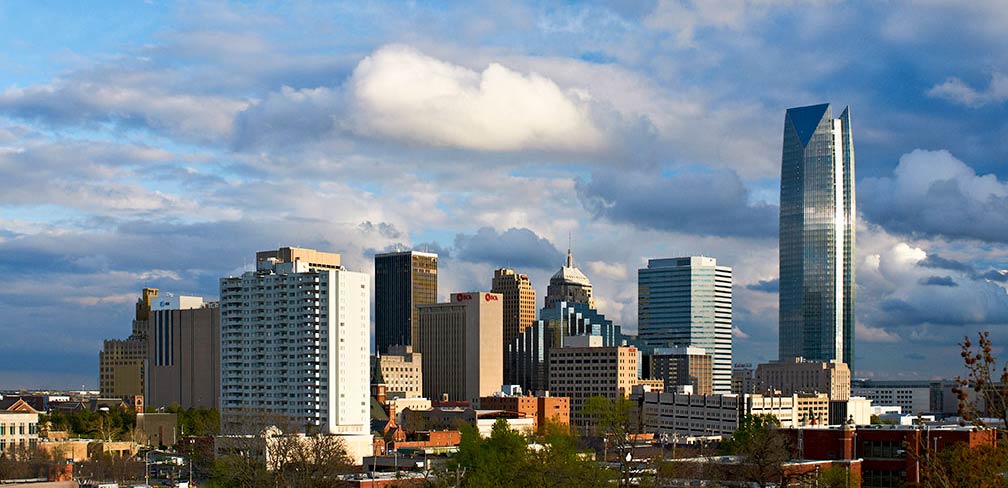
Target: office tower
{"x":584,"y":368}
{"x":121,"y":363}
{"x":403,"y":281}
{"x":742,"y":379}
{"x":817,"y":221}
{"x":569,"y":284}
{"x":462,"y":347}
{"x":684,"y":365}
{"x":687,"y":301}
{"x":183,"y":353}
{"x":400,"y":370}
{"x":800,"y":376}
{"x":519,"y":301}
{"x":527,"y":354}
{"x":295,"y":342}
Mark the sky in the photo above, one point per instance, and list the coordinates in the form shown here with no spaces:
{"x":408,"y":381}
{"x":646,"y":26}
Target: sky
{"x":162,"y":143}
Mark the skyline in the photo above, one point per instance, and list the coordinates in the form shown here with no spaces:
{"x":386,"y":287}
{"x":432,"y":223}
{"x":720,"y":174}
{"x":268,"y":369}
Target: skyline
{"x":161,"y":145}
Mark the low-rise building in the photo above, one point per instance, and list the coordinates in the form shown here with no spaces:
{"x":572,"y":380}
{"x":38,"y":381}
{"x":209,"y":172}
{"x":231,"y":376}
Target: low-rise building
{"x":543,"y":409}
{"x":452,"y":418}
{"x":18,"y":430}
{"x":743,"y":379}
{"x":798,"y":375}
{"x":913,"y":397}
{"x":890,"y":453}
{"x":686,"y":415}
{"x":400,"y":370}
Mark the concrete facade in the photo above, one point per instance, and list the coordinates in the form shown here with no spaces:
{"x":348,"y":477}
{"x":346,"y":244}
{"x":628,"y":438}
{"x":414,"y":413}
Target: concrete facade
{"x":400,"y":370}
{"x":797,"y":375}
{"x":913,"y":397}
{"x":462,"y":347}
{"x":183,"y":353}
{"x":584,"y":369}
{"x":122,"y":364}
{"x":684,"y":365}
{"x":743,"y":379}
{"x":403,"y":281}
{"x":295,"y":341}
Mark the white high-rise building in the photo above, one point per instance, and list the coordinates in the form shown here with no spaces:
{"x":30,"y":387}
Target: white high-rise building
{"x":295,"y":345}
{"x":687,"y":301}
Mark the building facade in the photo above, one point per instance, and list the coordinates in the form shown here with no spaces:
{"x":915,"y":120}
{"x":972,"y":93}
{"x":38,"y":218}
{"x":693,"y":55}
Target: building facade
{"x":743,"y":379}
{"x":817,"y":236}
{"x":18,"y":431}
{"x":183,"y":353}
{"x":295,"y":342}
{"x":913,"y":397}
{"x":403,"y":281}
{"x":584,"y":368}
{"x":519,"y":308}
{"x":570,"y":285}
{"x":527,"y":354}
{"x":543,"y":409}
{"x":122,"y":364}
{"x":688,"y":301}
{"x":676,"y":416}
{"x":797,"y":375}
{"x":462,"y":347}
{"x":400,"y":370}
{"x":684,"y":365}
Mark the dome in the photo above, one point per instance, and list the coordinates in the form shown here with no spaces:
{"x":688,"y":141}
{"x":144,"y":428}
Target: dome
{"x":570,"y":274}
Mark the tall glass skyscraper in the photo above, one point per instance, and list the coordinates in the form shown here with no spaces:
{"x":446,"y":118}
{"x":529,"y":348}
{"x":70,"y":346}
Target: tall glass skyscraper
{"x":817,"y":221}
{"x":687,"y":301}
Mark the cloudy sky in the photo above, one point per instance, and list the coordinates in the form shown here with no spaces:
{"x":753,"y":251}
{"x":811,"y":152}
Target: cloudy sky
{"x":162,"y":144}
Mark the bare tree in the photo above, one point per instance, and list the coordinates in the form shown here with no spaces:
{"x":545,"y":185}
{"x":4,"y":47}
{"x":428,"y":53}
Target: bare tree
{"x":987,"y":379}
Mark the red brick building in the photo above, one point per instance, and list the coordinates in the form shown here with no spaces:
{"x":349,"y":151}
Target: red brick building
{"x":892,"y":454}
{"x":554,"y":410}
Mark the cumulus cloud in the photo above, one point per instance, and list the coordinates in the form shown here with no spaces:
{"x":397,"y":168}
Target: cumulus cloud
{"x":615,"y":271}
{"x":958,"y":91}
{"x":516,"y":248}
{"x":933,"y":193}
{"x":401,"y":93}
{"x":903,"y":293}
{"x":692,"y":202}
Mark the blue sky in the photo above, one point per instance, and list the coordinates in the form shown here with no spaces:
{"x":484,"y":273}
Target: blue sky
{"x":163,"y":143}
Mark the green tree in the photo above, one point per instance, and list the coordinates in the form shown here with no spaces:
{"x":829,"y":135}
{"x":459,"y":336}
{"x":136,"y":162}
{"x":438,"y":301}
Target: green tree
{"x":838,"y":477}
{"x":763,"y":448}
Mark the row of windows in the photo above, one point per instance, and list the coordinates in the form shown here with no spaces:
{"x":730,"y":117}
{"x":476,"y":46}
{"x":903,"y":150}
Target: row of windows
{"x":18,"y":428}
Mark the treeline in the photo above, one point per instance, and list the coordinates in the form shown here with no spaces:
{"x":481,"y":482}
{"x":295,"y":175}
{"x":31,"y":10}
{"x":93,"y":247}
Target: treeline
{"x":115,"y":424}
{"x":196,"y":421}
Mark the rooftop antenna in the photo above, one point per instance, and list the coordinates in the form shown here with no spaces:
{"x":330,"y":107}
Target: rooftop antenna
{"x":570,"y":255}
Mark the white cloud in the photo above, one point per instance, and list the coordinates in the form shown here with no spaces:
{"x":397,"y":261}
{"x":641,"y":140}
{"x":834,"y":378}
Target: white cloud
{"x":615,"y":271}
{"x":863,"y":333}
{"x":958,"y":91}
{"x":402,"y":93}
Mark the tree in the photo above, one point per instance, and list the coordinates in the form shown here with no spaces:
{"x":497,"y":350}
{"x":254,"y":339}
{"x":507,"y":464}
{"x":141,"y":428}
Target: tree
{"x":763,"y":448}
{"x":614,"y":423}
{"x":986,"y":379}
{"x":506,"y":459}
{"x":838,"y":477}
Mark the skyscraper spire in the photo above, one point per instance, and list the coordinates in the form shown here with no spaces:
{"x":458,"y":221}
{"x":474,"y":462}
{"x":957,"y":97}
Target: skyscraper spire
{"x":570,"y":255}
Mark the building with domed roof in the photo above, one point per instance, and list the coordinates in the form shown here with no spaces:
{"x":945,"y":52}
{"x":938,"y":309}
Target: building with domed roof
{"x":570,"y":285}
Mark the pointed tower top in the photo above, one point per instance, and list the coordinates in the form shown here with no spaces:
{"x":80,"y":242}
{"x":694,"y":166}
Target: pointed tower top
{"x":570,"y":255}
{"x":806,"y":120}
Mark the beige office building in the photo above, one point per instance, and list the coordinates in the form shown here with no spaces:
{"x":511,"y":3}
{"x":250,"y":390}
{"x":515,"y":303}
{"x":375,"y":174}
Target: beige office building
{"x":796,"y":375}
{"x":519,"y":301}
{"x":314,"y":259}
{"x":183,"y":353}
{"x":121,"y":363}
{"x":400,"y":370}
{"x":462,"y":347}
{"x":583,"y":368}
